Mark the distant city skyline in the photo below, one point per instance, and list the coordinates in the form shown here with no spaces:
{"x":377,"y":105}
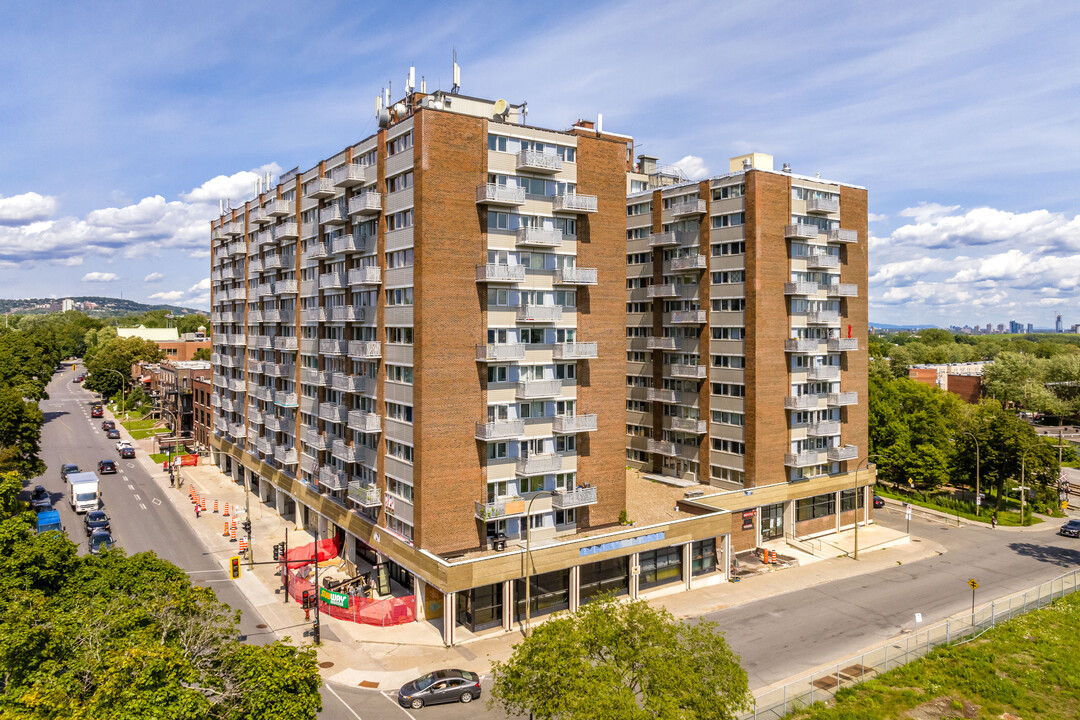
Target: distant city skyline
{"x":126,"y":127}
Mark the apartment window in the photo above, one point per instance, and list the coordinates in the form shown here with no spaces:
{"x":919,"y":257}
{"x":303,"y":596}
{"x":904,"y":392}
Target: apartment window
{"x":848,"y":497}
{"x":368,"y":158}
{"x":565,"y":371}
{"x":397,"y":411}
{"x":638,"y":307}
{"x":399,"y":373}
{"x":400,"y":527}
{"x":398,"y":220}
{"x":728,"y":276}
{"x":729,"y":446}
{"x":398,"y":450}
{"x":497,"y":450}
{"x":639,"y":208}
{"x":637,"y":456}
{"x":638,"y":406}
{"x":496,"y":374}
{"x":815,"y":507}
{"x":399,"y":335}
{"x":498,"y":297}
{"x":565,"y":517}
{"x":566,"y":443}
{"x":638,"y":431}
{"x":729,"y":305}
{"x":729,"y":248}
{"x":399,"y":182}
{"x":400,"y":488}
{"x":728,"y":333}
{"x":399,"y":144}
{"x":670,"y":202}
{"x":399,"y":259}
{"x":399,"y":296}
{"x":727,"y":474}
{"x":639,"y":234}
{"x":729,"y":191}
{"x":637,"y":356}
{"x":728,"y":361}
{"x":638,"y":332}
{"x":729,"y":389}
{"x":638,"y":258}
{"x":723,"y":417}
{"x":532,"y":484}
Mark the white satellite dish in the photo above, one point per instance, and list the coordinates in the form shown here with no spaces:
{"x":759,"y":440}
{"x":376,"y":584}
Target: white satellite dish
{"x":501,"y":108}
{"x":384,"y":118}
{"x":399,"y":110}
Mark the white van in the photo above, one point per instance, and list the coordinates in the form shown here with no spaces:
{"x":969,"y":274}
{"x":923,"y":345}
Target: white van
{"x":85,"y":491}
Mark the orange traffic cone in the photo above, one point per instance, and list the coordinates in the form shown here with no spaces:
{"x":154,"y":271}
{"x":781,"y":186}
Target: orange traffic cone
{"x":226,"y":510}
{"x":226,"y":533}
{"x":215,"y":507}
{"x":765,"y":556}
{"x":203,"y":504}
{"x":232,"y":532}
{"x":772,"y":556}
{"x":243,"y":546}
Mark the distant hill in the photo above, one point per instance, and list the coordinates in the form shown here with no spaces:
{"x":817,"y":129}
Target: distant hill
{"x":886,"y":326}
{"x":92,"y":305}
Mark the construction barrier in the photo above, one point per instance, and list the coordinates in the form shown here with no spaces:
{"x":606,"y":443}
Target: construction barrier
{"x":226,"y":510}
{"x":226,"y":533}
{"x":215,"y":507}
{"x":367,"y":611}
{"x":232,"y":532}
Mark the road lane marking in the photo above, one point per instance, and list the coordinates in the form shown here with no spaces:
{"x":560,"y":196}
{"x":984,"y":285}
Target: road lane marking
{"x":156,"y":501}
{"x":142,"y":506}
{"x":131,"y":487}
{"x":394,"y":701}
{"x":138,"y":498}
{"x":342,"y":701}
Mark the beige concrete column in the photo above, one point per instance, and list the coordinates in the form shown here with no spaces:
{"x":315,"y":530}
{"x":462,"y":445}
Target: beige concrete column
{"x":419,"y":592}
{"x":635,"y":569}
{"x":575,"y":588}
{"x":508,"y":605}
{"x":726,"y":544}
{"x":449,"y":600}
{"x":688,"y":565}
{"x":838,"y":512}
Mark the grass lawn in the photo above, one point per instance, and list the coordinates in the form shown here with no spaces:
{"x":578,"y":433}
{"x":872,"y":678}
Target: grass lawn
{"x":148,"y":432}
{"x":1028,"y":667}
{"x":1008,"y":516}
{"x":138,"y":424}
{"x":160,"y":457}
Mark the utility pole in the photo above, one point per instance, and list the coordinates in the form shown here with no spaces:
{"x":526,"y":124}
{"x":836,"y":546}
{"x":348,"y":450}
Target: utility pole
{"x":247,"y":514}
{"x":315,"y":629}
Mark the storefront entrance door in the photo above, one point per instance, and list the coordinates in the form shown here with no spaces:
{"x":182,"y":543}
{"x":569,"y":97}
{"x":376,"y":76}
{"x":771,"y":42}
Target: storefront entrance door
{"x":772,"y":521}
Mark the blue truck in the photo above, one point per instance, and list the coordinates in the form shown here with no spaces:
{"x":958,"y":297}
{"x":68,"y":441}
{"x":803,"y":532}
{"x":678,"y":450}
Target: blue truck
{"x":49,"y":520}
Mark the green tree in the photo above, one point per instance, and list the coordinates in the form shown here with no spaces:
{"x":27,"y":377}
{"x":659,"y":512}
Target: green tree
{"x":621,"y":660}
{"x":20,"y":434}
{"x":202,"y":354}
{"x":118,"y":354}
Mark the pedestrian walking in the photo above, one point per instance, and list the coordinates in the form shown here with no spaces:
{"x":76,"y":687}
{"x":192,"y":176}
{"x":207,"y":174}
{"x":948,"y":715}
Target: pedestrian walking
{"x":172,"y":478}
{"x":196,"y":511}
{"x":993,"y":521}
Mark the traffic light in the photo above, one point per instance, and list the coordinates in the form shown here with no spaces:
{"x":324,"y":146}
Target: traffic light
{"x":277,"y":552}
{"x":247,"y":526}
{"x":234,"y":567}
{"x":305,"y":600}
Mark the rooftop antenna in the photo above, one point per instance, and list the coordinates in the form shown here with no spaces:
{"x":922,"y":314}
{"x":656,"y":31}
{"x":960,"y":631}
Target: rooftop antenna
{"x":599,"y":123}
{"x":524,"y":111}
{"x":423,"y":85}
{"x":410,"y":84}
{"x":221,"y":206}
{"x":457,"y":76}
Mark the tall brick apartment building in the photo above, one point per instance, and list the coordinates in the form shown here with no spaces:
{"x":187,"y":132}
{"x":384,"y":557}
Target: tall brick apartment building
{"x":747,"y":358}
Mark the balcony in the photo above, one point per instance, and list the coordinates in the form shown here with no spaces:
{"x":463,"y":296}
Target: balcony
{"x":279,"y":370}
{"x":254,"y":417}
{"x":492,"y":194}
{"x":843,"y":398}
{"x":822,"y":206}
{"x":500,"y":352}
{"x":803,"y":402}
{"x":802,"y":459}
{"x":572,"y":202}
{"x":847,"y":452}
{"x":843,"y":344}
{"x":823,"y":317}
{"x":688,"y":208}
{"x":539,"y":313}
{"x":368,"y":202}
{"x":272,"y":422}
{"x":316,"y":440}
{"x":800,"y":288}
{"x":317,"y":251}
{"x":286,"y":231}
{"x":365,"y":349}
{"x":661,"y":447}
{"x":237,"y":385}
{"x":661,"y":343}
{"x":823,"y":429}
{"x":689,"y":372}
{"x":823,"y":372}
{"x":365,"y":422}
{"x":689,"y":425}
{"x":822,"y":261}
{"x":843,"y":290}
{"x":332,"y":480}
{"x":348,"y":453}
{"x":312,"y":376}
{"x":277,"y":208}
{"x":663,"y":239}
{"x":661,"y":291}
{"x":264,"y":236}
{"x":348,"y":175}
{"x":285,"y":287}
{"x":662,"y":395}
{"x":333,"y":215}
{"x":329,"y":346}
{"x":539,"y":464}
{"x":566,"y":499}
{"x":352,"y":243}
{"x":286,"y":456}
{"x":367,"y":275}
{"x":237,"y":430}
{"x":575,"y":276}
{"x":539,"y":161}
{"x":264,"y":445}
{"x":508,"y":507}
{"x":690,"y":263}
{"x":332,"y":281}
{"x":500,"y":273}
{"x":574,"y":351}
{"x":501,"y":430}
{"x":535,"y":389}
{"x":569,"y":424}
{"x":348,"y":313}
{"x":802,"y":345}
{"x":843,"y":236}
{"x":233,"y":229}
{"x":688,"y":317}
{"x":367,"y":496}
{"x":263,"y":393}
{"x":285,"y":399}
{"x":348,"y":383}
{"x":285,"y":344}
{"x":274,"y":315}
{"x":800,"y":231}
{"x":258,"y":215}
{"x":320,"y":187}
{"x":229,"y":405}
{"x":539,"y":237}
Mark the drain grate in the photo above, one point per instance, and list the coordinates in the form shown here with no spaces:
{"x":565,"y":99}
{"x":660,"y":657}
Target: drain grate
{"x":262,"y":626}
{"x":326,"y":664}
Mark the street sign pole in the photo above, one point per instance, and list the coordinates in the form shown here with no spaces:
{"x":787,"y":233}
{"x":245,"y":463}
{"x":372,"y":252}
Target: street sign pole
{"x":974,"y":585}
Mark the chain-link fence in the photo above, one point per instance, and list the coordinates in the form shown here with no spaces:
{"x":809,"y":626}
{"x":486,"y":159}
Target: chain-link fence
{"x":357,"y":608}
{"x":821,"y":686}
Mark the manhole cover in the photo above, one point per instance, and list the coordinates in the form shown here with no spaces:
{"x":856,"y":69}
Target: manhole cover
{"x":326,"y":664}
{"x":262,"y":626}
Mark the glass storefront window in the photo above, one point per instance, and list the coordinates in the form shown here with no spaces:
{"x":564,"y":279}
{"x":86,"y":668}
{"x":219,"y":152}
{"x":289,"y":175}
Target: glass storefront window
{"x":480,"y":608}
{"x":606,"y":576}
{"x":659,"y":567}
{"x":703,"y":556}
{"x":548,"y":592}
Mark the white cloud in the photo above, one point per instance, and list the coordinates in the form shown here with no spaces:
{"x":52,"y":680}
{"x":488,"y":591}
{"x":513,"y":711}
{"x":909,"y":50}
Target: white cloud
{"x":73,"y":261}
{"x":694,"y":167}
{"x":26,"y":208}
{"x":153,"y":277}
{"x":169,"y":297}
{"x":197,"y":295}
{"x":874,"y":217}
{"x":927,"y":212}
{"x":100,"y":277}
{"x":233,"y":187}
{"x":937,"y":229}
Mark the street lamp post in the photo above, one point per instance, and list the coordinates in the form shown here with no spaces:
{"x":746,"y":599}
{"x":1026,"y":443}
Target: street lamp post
{"x":123,"y":387}
{"x":978,"y":501}
{"x":1023,"y":480}
{"x":864,"y":462}
{"x":528,"y":525}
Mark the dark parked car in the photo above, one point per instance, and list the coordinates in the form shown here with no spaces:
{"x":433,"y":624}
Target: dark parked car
{"x":77,"y":379}
{"x":97,"y":520}
{"x":112,"y":434}
{"x":126,"y":451}
{"x":42,"y":505}
{"x":441,"y":686}
{"x":97,"y":411}
{"x":879,"y":501}
{"x":68,"y":469}
{"x":1070,"y":529}
{"x":106,"y":467}
{"x":108,"y":424}
{"x":39,"y":493}
{"x":100,"y":541}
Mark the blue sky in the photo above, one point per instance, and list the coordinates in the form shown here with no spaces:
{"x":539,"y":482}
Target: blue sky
{"x":124,"y":123}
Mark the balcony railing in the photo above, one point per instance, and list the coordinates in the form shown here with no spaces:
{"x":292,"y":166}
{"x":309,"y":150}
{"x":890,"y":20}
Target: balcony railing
{"x":822,"y":206}
{"x":331,"y":479}
{"x":800,"y":288}
{"x":501,"y":430}
{"x":692,"y":317}
{"x":321,"y":187}
{"x":367,"y":275}
{"x":539,"y":313}
{"x":533,"y":389}
{"x":659,"y":291}
{"x":539,"y":237}
{"x":663,"y":239}
{"x":273,"y":422}
{"x":690,"y":372}
{"x":661,"y":343}
{"x":688,"y":208}
{"x":823,"y":372}
{"x":286,"y":231}
{"x":348,"y":313}
{"x":348,"y":383}
{"x":365,"y":422}
{"x":661,"y":447}
{"x":254,"y":417}
{"x":334,"y":280}
{"x":662,"y":395}
{"x":285,"y":399}
{"x":800,"y":231}
{"x":500,"y":273}
{"x":286,"y":456}
{"x":264,"y":445}
{"x":822,"y":261}
{"x":348,"y":453}
{"x":574,"y":351}
{"x":314,"y":315}
{"x":689,"y":425}
{"x":348,"y":175}
{"x":803,"y":402}
{"x":508,"y":507}
{"x":364,"y":495}
{"x":575,"y":276}
{"x":802,"y":345}
{"x":333,"y":215}
{"x":567,"y":499}
{"x":500,"y":352}
{"x":238,"y":385}
{"x":492,"y":194}
{"x":844,"y":398}
{"x":316,"y":440}
{"x":690,"y":263}
{"x":843,"y":344}
{"x":333,"y":347}
{"x":568,"y":424}
{"x":312,"y":376}
{"x":823,"y":317}
{"x":368,"y":202}
{"x":285,"y":344}
{"x":823,"y":429}
{"x":572,"y":202}
{"x":365,"y":349}
{"x":352,"y":243}
{"x":538,"y":161}
{"x":539,"y":464}
{"x":277,"y":208}
{"x":847,"y":452}
{"x":843,"y":290}
{"x":802,"y":459}
{"x":281,"y":370}
{"x":843,"y":236}
{"x":317,"y":251}
{"x":237,"y":430}
{"x":285,"y":287}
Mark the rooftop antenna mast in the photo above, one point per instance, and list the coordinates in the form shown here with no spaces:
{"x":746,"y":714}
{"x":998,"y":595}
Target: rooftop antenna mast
{"x":457,"y":76}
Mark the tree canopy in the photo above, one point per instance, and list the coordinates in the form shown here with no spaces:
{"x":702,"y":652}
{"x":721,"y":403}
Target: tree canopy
{"x":623,"y":660}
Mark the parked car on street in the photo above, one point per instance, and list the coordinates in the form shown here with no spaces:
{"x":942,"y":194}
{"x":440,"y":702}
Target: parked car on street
{"x":42,"y":505}
{"x":441,"y":686}
{"x":879,"y":501}
{"x":39,"y":493}
{"x":1070,"y":529}
{"x":68,"y":469}
{"x":100,"y":541}
{"x":106,"y":467}
{"x":77,"y":379}
{"x":121,"y":444}
{"x":108,"y":424}
{"x":126,"y":451}
{"x":97,"y":520}
{"x":97,"y":411}
{"x":112,"y":434}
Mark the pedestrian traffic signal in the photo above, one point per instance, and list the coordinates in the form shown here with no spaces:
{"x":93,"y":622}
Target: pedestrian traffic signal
{"x":234,"y":567}
{"x":247,"y":526}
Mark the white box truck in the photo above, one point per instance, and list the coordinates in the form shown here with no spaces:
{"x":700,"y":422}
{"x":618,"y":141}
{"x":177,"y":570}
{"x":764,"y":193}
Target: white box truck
{"x":85,"y":491}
